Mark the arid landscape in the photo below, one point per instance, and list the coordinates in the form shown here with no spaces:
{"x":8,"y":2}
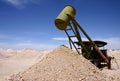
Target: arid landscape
{"x":60,"y":64}
{"x":12,"y":61}
{"x":35,"y":35}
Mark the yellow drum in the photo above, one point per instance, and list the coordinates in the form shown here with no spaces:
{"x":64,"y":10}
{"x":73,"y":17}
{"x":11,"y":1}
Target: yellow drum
{"x":63,"y":20}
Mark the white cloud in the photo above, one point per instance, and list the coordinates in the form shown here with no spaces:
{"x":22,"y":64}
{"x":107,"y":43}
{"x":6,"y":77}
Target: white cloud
{"x":21,"y":3}
{"x":14,"y":42}
{"x":66,"y":39}
{"x":17,"y":2}
{"x":21,"y":45}
{"x":60,"y":38}
{"x":113,"y":42}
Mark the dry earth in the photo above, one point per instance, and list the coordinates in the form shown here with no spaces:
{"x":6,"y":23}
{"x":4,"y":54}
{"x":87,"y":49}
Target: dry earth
{"x":12,"y":61}
{"x":61,"y":64}
{"x":115,"y":65}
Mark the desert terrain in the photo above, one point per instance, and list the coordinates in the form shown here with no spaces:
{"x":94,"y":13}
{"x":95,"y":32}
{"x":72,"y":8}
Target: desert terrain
{"x":60,"y":64}
{"x":14,"y":61}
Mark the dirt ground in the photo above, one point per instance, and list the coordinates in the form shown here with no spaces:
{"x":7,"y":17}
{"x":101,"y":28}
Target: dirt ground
{"x":12,"y":61}
{"x":115,"y":65}
{"x":60,"y":64}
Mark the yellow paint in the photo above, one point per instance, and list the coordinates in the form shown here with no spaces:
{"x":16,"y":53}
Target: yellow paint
{"x":62,"y":19}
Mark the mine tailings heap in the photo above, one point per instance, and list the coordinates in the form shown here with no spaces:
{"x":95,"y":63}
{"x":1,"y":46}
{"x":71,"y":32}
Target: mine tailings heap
{"x":62,"y":64}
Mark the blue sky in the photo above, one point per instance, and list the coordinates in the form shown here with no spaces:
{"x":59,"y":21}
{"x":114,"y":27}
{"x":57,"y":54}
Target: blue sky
{"x":30,"y":23}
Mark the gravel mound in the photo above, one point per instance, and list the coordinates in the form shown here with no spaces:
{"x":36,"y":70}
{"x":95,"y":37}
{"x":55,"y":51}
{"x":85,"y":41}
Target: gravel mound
{"x":62,"y":64}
